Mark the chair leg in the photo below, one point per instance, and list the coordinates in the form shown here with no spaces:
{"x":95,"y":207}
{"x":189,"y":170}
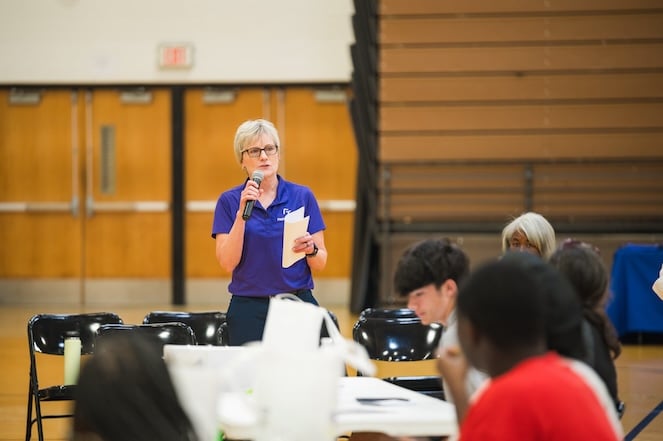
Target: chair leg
{"x":28,"y":426}
{"x":40,"y":426}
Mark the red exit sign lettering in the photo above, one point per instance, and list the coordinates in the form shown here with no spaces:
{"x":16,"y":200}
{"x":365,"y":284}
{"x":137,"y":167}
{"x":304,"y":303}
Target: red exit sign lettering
{"x":175,"y":56}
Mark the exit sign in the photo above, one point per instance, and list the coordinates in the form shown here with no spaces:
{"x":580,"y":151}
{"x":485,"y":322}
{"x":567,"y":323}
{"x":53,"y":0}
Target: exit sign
{"x":178,"y":56}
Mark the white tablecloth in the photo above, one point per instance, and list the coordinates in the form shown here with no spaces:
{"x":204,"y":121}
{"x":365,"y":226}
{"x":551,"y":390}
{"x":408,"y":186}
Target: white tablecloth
{"x":394,"y":410}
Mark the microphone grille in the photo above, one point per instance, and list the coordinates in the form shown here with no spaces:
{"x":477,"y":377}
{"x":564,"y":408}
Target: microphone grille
{"x":257,"y":176}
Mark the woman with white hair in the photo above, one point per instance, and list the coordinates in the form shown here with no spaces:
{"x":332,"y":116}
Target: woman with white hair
{"x":530,"y":232}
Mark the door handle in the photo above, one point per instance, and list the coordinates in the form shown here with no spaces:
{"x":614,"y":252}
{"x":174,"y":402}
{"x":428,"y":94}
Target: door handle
{"x":38,"y":207}
{"x":127,"y":207}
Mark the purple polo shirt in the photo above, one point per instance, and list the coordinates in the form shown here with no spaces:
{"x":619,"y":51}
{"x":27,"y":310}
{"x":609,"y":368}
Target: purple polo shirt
{"x":259,"y":272}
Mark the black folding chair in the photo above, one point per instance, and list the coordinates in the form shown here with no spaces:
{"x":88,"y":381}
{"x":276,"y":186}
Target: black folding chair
{"x":46,"y":335}
{"x":210,"y":327}
{"x":397,"y":335}
{"x":173,"y":333}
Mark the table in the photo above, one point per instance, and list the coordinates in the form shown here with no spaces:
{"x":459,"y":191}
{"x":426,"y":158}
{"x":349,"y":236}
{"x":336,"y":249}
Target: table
{"x":391,"y":409}
{"x":634,"y":306}
{"x":363,"y":404}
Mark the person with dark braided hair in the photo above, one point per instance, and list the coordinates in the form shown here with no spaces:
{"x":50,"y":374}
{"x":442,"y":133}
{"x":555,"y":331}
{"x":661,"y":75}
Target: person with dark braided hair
{"x":582,"y":265}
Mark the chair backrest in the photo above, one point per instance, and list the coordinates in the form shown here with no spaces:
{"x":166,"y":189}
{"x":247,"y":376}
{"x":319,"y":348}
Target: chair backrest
{"x":210,"y":327}
{"x":173,"y":333}
{"x":47,"y":332}
{"x":396,"y":335}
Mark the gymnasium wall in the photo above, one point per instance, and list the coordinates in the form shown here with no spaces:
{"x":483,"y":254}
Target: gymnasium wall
{"x":489,"y":109}
{"x":117,"y":42}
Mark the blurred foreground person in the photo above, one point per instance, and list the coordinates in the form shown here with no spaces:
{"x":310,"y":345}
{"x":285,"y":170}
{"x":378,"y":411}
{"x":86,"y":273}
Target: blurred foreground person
{"x":533,"y":393}
{"x":125,"y":393}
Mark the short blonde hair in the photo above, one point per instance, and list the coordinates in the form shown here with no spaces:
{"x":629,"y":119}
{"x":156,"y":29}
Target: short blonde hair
{"x":536,"y":228}
{"x":250,"y":130}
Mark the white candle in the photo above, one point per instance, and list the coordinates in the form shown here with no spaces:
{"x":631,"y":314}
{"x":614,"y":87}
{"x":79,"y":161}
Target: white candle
{"x":72,"y":358}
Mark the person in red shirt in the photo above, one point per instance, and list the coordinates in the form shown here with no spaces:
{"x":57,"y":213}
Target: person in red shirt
{"x":533,"y":393}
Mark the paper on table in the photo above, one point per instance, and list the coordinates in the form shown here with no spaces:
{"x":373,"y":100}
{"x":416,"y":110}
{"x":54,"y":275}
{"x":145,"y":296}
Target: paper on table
{"x":294,"y":225}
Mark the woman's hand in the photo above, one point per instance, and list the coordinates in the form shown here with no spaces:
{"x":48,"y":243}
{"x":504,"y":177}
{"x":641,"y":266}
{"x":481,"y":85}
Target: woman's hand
{"x":313,"y":245}
{"x":304,"y":244}
{"x":251,"y":192}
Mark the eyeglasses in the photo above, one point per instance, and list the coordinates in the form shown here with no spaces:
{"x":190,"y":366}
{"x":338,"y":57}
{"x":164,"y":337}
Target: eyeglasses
{"x":255,"y":152}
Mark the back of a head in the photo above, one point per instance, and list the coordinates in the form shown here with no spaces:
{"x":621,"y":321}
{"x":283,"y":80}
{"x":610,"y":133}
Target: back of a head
{"x":505,"y":303}
{"x":431,"y":261}
{"x":125,"y":392}
{"x":563,"y":309}
{"x":584,"y":268}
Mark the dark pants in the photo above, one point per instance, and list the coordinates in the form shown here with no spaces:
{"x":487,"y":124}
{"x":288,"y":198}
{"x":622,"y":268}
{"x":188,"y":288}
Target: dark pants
{"x":246,"y":316}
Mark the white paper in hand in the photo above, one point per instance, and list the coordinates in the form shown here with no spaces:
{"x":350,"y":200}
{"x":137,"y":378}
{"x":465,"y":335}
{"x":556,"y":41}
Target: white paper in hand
{"x":294,"y":225}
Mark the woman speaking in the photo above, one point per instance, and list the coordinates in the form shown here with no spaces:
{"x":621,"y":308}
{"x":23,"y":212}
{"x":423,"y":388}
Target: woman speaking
{"x":248,"y":227}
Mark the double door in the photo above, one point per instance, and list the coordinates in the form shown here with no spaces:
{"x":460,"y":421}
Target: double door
{"x":84,"y":195}
{"x":86,"y":184}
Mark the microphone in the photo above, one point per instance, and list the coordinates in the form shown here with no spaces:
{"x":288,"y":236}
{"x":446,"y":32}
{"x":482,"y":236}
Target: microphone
{"x":257,"y":178}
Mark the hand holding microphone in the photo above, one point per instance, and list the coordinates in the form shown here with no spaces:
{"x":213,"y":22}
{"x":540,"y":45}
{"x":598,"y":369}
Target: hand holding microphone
{"x":256,"y":177}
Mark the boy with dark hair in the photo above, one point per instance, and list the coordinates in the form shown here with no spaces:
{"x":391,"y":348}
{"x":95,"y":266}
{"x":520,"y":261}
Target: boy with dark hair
{"x":427,"y":275}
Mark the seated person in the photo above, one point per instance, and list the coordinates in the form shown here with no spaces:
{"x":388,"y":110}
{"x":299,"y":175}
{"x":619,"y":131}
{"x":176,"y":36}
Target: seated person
{"x":427,"y":275}
{"x":581,"y":264}
{"x":530,"y":232}
{"x":125,"y":392}
{"x":533,"y":393}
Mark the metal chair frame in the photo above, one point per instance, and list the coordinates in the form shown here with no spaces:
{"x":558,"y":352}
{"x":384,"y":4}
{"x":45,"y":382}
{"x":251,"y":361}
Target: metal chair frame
{"x":174,"y":333}
{"x":210,"y":327}
{"x":46,"y":335}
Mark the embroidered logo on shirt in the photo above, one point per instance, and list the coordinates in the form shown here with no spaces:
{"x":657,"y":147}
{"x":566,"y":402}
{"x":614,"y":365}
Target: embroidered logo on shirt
{"x":285,"y":213}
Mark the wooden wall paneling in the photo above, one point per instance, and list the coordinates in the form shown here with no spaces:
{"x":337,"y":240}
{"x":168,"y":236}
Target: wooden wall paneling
{"x":453,"y":177}
{"x":617,"y":190}
{"x":413,"y":146}
{"x":526,"y":117}
{"x":521,"y":59}
{"x":211,"y":166}
{"x":453,"y":207}
{"x":607,"y":175}
{"x":570,"y":191}
{"x":423,"y":7}
{"x":588,"y":209}
{"x":585,"y":190}
{"x":484,"y":83}
{"x":414,"y":193}
{"x":518,"y":30}
{"x":507,"y":89}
